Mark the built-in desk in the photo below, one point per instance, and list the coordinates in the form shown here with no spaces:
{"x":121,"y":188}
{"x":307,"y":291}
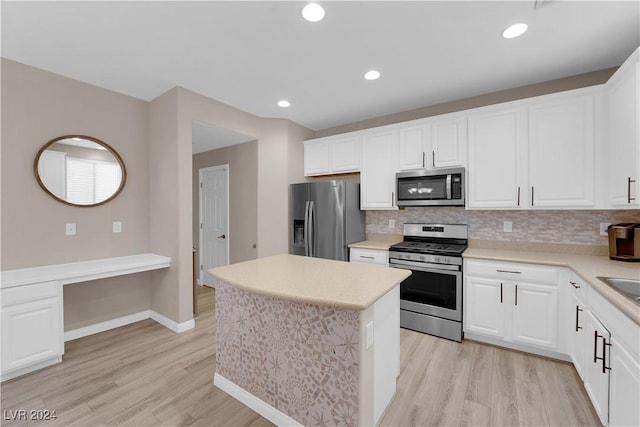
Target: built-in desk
{"x":32,"y":308}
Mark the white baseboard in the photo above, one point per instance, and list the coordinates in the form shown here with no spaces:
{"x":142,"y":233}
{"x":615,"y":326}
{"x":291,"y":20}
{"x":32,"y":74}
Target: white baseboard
{"x":105,"y":326}
{"x":30,"y":368}
{"x":126,"y":320}
{"x":174,"y":326}
{"x":260,"y":406}
{"x":516,"y":346}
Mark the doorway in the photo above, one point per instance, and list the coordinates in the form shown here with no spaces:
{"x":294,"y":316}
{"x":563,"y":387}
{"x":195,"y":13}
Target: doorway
{"x":214,"y":220}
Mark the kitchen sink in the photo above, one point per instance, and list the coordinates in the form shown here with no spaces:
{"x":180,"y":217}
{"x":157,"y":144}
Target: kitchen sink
{"x":630,"y":288}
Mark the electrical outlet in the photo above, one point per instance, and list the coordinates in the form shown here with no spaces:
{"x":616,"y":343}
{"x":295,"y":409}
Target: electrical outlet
{"x":70,"y":229}
{"x":117,"y":226}
{"x":507,"y":226}
{"x":392,"y":223}
{"x":603,"y":228}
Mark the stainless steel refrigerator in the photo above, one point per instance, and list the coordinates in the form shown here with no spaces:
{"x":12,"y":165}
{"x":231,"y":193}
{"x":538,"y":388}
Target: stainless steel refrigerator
{"x":324,"y":218}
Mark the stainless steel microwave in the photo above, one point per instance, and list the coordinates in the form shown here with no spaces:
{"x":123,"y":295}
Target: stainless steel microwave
{"x":422,"y":187}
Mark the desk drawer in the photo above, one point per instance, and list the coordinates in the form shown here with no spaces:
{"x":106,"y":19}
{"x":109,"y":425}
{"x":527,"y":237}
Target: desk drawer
{"x":26,"y":293}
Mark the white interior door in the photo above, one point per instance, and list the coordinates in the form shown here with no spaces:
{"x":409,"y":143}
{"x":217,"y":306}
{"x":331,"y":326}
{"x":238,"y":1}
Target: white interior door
{"x":214,"y":220}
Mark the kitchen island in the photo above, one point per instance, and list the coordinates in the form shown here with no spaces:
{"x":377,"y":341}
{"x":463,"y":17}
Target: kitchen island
{"x":308,"y":341}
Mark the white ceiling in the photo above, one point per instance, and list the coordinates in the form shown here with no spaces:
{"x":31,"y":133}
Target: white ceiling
{"x":251,"y":54}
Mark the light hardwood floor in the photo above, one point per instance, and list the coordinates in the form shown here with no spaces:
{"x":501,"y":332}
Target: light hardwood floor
{"x":145,"y":375}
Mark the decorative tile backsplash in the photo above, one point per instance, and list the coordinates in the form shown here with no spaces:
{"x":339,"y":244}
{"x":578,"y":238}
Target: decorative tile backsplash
{"x":302,"y":359}
{"x":566,"y":226}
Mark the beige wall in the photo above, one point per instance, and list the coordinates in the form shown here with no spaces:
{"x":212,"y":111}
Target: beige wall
{"x":243,"y":196}
{"x":538,"y":89}
{"x":38,"y":106}
{"x":171,"y":217}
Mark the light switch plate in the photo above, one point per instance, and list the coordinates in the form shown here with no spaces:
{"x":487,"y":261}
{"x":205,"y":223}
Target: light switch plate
{"x":70,"y":229}
{"x":603,"y":228}
{"x":117,"y":226}
{"x":507,"y":226}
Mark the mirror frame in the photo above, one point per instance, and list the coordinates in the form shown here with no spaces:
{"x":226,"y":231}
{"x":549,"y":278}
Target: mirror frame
{"x":92,"y":139}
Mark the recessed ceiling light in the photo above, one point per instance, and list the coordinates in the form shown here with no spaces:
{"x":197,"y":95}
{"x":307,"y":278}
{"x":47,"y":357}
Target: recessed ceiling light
{"x":313,"y":12}
{"x":514,"y":31}
{"x":372,"y":75}
{"x":284,"y":103}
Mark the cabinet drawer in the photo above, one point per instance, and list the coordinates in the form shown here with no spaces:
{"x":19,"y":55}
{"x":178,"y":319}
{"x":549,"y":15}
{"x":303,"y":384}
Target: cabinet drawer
{"x":26,"y":293}
{"x":512,"y":271}
{"x":369,"y":256}
{"x":578,"y":286}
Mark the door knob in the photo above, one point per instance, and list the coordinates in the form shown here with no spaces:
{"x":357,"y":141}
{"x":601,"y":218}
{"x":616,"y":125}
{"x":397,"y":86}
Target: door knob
{"x":222,"y":237}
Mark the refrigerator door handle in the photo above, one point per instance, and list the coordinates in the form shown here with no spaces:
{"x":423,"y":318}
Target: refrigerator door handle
{"x":306,"y":229}
{"x":312,"y":229}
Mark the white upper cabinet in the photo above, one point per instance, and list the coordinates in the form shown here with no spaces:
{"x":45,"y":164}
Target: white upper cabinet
{"x":496,"y":148}
{"x":414,"y":143}
{"x":561,"y":151}
{"x":332,"y":155}
{"x":377,"y":176}
{"x":623,"y":96}
{"x":448,"y":140}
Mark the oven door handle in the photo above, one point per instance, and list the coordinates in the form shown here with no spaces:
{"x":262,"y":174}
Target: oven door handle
{"x":425,"y":266}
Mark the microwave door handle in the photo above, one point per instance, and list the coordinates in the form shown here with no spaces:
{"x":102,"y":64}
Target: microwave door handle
{"x":448,"y":186}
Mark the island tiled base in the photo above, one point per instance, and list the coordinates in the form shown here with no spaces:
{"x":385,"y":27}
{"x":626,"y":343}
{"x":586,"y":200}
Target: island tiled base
{"x":301,"y":359}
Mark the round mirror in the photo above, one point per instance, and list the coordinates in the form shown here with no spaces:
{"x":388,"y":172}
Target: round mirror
{"x":79,"y":170}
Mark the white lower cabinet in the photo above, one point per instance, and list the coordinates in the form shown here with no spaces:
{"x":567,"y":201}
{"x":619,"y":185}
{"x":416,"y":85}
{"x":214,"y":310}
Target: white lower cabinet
{"x":624,"y":386}
{"x":32,"y":326}
{"x":512,"y":303}
{"x":596,"y":374}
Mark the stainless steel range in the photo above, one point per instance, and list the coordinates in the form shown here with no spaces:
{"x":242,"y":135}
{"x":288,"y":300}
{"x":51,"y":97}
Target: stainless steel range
{"x":431,"y":298}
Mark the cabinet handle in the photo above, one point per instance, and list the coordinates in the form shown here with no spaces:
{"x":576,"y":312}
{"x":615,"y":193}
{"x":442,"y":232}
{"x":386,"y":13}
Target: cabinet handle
{"x":629,"y":198}
{"x":532,"y":190}
{"x":605,"y":344}
{"x":365,"y":256}
{"x":423,"y":159}
{"x":509,"y":271}
{"x":518,"y":196}
{"x":578,"y":310}
{"x":500,"y":292}
{"x":595,"y":347}
{"x":574,"y":285}
{"x":433,"y":158}
{"x":393,"y":198}
{"x":516,"y":294}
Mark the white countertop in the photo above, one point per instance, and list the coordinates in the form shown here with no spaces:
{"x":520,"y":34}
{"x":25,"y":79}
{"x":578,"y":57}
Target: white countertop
{"x":339,"y":284}
{"x":374,"y":244}
{"x":83,"y":271}
{"x":589,"y":267}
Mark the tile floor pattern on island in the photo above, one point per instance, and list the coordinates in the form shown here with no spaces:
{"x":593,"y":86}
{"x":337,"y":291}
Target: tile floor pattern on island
{"x":146,"y":375}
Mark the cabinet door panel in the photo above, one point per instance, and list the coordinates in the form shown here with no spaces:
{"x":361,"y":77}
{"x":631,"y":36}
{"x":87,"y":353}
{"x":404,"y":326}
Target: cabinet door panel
{"x":412,"y":146}
{"x":448,"y":138}
{"x":316,"y":158}
{"x":625,"y":387}
{"x":624,"y":131}
{"x":596,"y":382}
{"x":31,"y":332}
{"x":535,"y":314}
{"x":561,"y":153}
{"x":345,"y":155}
{"x":484,"y":308}
{"x":377,"y":177}
{"x":579,"y":337}
{"x":495,"y":153}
